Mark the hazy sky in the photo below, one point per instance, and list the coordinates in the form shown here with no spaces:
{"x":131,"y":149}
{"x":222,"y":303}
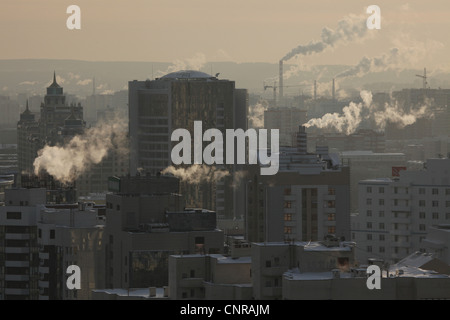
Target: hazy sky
{"x":212,"y":30}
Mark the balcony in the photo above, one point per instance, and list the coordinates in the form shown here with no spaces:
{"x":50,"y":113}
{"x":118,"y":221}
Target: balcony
{"x":191,"y":283}
{"x":401,"y":208}
{"x":401,"y":220}
{"x":17,"y":291}
{"x":401,"y":196}
{"x":400,"y":232}
{"x":273,"y":271}
{"x":272,"y":291}
{"x":14,"y":277}
{"x":401,"y":244}
{"x":43,"y":284}
{"x":17,"y":263}
{"x":44,"y":255}
{"x":17,"y":236}
{"x":17,"y":250}
{"x":43,"y":270}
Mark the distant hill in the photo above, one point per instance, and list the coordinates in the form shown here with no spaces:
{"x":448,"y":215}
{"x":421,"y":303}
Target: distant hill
{"x":32,"y":76}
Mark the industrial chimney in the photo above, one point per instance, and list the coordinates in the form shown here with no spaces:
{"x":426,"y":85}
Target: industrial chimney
{"x":315,"y":90}
{"x":280,"y":83}
{"x":334,"y":91}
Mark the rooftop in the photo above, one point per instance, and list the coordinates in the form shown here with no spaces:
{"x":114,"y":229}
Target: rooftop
{"x":188,"y":74}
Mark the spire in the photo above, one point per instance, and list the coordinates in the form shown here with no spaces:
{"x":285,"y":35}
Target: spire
{"x":27,"y":106}
{"x":54,"y":76}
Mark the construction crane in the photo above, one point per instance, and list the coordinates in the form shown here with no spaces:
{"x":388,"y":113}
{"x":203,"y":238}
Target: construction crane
{"x":424,"y":77}
{"x":275,"y":87}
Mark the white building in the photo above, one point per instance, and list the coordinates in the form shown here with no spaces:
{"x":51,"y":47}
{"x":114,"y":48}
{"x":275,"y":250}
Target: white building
{"x":395,"y":214}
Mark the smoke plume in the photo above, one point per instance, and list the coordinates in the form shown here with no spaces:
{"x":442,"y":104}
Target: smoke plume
{"x":349,"y":28}
{"x":68,"y":161}
{"x":197,"y":173}
{"x":355,"y":114}
{"x":256,"y":114}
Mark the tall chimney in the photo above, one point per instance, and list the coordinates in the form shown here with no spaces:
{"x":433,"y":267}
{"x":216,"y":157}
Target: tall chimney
{"x":315,"y":90}
{"x":334,"y":91}
{"x":280,"y":82}
{"x":302,"y":140}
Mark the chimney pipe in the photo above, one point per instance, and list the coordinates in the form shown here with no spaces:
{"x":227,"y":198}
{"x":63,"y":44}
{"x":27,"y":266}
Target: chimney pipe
{"x":315,"y":90}
{"x":334,"y":91}
{"x":280,"y":83}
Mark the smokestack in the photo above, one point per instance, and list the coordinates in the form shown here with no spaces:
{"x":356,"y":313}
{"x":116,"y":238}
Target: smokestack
{"x":315,"y":90}
{"x":334,"y":91}
{"x":280,"y":82}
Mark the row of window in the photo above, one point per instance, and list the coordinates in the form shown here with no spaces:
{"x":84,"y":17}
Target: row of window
{"x":396,"y":202}
{"x":434,"y":191}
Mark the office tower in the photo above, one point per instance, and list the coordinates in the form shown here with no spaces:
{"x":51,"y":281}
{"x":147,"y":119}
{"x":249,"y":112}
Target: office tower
{"x":396,"y":213}
{"x":158,"y":107}
{"x":307,"y":200}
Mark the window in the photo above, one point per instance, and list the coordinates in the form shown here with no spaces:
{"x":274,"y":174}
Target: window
{"x":331,"y":230}
{"x":381,"y":202}
{"x":13,"y":215}
{"x":287,"y":204}
{"x":447,"y":216}
{"x":369,"y":189}
{"x":422,"y":215}
{"x":395,"y":190}
{"x":287,"y":230}
{"x":435,"y":215}
{"x":381,"y":237}
{"x":287,"y":191}
{"x":447,"y":192}
{"x":381,"y":190}
{"x":435,"y":203}
{"x":381,"y":249}
{"x":287,"y":217}
{"x":369,"y":236}
{"x":369,"y":248}
{"x":422,"y":227}
{"x":369,"y":202}
{"x":435,"y":191}
{"x":268,"y":263}
{"x":369,"y":213}
{"x":447,"y":204}
{"x":331,"y":191}
{"x":421,"y":190}
{"x":39,"y":233}
{"x":369,"y":225}
{"x":52,"y":234}
{"x":381,"y":225}
{"x":381,"y":214}
{"x":331,"y":217}
{"x":421,"y":203}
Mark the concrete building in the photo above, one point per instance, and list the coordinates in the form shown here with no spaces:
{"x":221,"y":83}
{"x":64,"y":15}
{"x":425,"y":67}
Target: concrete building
{"x":395,"y":214}
{"x":271,"y":260}
{"x":209,"y":277}
{"x":369,"y":165}
{"x":141,"y":213}
{"x":308,"y":199}
{"x":437,"y":242}
{"x":403,"y":281}
{"x":28,"y":140}
{"x":39,"y":241}
{"x":158,"y":107}
{"x":9,"y":109}
{"x":287,"y":121}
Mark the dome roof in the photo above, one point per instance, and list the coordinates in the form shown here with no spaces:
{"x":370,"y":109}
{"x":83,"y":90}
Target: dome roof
{"x":187,"y":74}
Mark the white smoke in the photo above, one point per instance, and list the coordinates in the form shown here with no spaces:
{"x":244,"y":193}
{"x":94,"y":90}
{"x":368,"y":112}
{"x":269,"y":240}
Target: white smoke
{"x":67,"y":162}
{"x":349,"y":28}
{"x":379,"y":115}
{"x":376,"y":64}
{"x":197,"y":173}
{"x":256,"y":114}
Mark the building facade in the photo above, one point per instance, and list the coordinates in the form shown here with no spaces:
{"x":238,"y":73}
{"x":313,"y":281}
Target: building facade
{"x":396,"y":214}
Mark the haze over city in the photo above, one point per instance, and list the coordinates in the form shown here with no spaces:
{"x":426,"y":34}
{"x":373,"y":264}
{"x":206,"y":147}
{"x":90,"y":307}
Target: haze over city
{"x":94,"y":180}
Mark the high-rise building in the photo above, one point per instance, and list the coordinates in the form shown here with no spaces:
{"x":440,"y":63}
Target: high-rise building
{"x":38,"y":241}
{"x":395,"y":214}
{"x":307,"y":200}
{"x":147,"y":222}
{"x":158,"y":107}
